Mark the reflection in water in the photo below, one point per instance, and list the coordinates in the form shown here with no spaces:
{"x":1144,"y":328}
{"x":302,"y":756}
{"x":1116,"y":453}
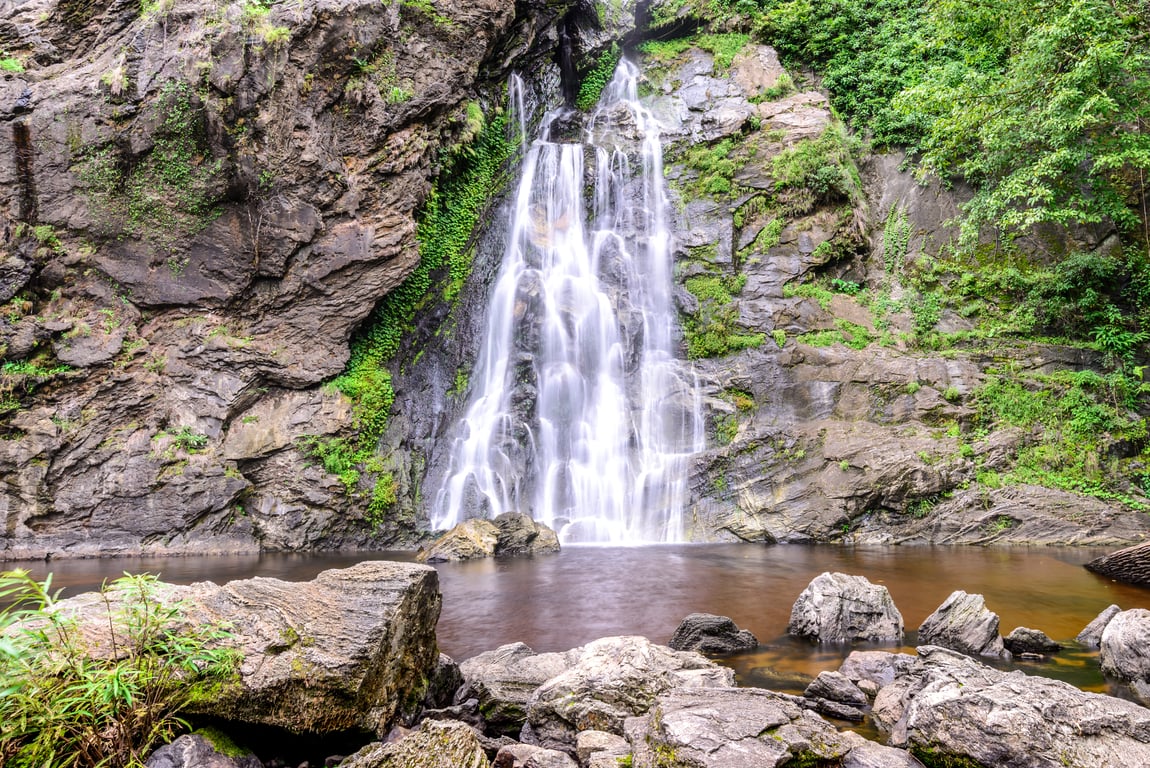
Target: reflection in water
{"x":560,"y":601}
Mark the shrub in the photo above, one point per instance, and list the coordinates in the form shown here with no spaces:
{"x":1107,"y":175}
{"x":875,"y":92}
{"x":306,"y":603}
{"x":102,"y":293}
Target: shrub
{"x":65,"y":703}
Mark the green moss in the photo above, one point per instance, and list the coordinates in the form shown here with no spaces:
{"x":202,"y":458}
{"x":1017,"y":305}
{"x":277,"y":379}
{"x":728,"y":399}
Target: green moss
{"x":468,"y":181}
{"x":713,"y":329}
{"x":597,"y":78}
{"x":932,"y":757}
{"x":221,"y":742}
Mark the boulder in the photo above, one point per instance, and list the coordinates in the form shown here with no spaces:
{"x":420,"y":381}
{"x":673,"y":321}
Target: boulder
{"x":509,"y":534}
{"x":612,"y":679}
{"x":473,"y":538}
{"x":520,"y":535}
{"x":437,"y":744}
{"x":351,"y":649}
{"x":1033,"y":641}
{"x":192,"y":750}
{"x":707,"y":633}
{"x":443,"y":683}
{"x":963,"y":623}
{"x":1130,"y":565}
{"x":875,"y":667}
{"x":837,"y":607}
{"x":593,"y":747}
{"x":1091,"y":636}
{"x":957,"y":711}
{"x":1125,"y":647}
{"x":835,"y":686}
{"x":504,"y":679}
{"x":528,"y":756}
{"x":742,"y":727}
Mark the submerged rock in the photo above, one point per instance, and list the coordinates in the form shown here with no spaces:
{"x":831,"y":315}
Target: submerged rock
{"x":708,"y":633}
{"x":963,"y":623}
{"x":837,"y":607}
{"x":437,"y":744}
{"x":1091,"y":636}
{"x":953,"y":708}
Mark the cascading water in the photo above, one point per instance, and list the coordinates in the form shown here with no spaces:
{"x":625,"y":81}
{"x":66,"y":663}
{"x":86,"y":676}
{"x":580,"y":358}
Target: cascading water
{"x":580,"y":414}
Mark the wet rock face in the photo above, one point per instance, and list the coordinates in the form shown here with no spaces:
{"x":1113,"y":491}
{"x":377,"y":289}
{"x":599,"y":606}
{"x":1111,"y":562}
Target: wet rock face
{"x":215,"y":202}
{"x":837,"y":608}
{"x":963,"y":623}
{"x":1125,"y":648}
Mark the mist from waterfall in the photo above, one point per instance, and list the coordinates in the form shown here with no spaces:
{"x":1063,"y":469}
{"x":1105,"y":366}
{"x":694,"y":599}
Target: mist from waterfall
{"x":580,"y":415}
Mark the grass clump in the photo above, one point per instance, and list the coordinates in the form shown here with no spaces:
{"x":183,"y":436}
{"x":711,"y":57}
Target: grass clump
{"x":713,"y":329}
{"x":65,"y":704}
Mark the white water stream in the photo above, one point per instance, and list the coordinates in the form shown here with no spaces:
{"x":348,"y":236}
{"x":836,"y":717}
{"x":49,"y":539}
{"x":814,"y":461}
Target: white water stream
{"x":580,"y":415}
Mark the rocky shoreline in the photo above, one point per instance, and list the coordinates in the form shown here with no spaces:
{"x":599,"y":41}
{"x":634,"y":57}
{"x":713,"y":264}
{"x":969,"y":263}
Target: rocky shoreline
{"x":349,"y":659}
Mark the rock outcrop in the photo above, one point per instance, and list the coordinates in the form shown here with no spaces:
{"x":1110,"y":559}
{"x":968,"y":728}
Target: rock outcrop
{"x":963,"y":623}
{"x":352,"y":649}
{"x":949,"y":708}
{"x":1023,"y":640}
{"x":503,"y":681}
{"x":707,"y":633}
{"x":837,"y":607}
{"x":1131,"y":565}
{"x":192,"y":750}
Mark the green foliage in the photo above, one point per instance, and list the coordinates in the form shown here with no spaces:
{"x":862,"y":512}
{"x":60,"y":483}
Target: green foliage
{"x":726,"y":428}
{"x":597,"y":78}
{"x":713,"y":329}
{"x":10,"y":64}
{"x":714,"y":169}
{"x":171,"y":193}
{"x":465,"y":185}
{"x":65,"y":703}
{"x":817,"y":171}
{"x":814,"y":291}
{"x":187,"y":439}
{"x":724,"y":47}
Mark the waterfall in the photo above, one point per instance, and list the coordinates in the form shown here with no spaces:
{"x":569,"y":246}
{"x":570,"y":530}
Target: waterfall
{"x":580,"y":414}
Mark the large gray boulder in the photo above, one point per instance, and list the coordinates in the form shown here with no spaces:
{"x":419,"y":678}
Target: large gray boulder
{"x":1091,"y":635}
{"x":708,"y":633}
{"x":192,"y":750}
{"x":437,"y":744}
{"x":351,"y":649}
{"x":959,"y":712}
{"x":736,"y":727}
{"x":612,"y":679}
{"x":503,"y":681}
{"x":837,"y":607}
{"x":1125,"y":651}
{"x":963,"y":623}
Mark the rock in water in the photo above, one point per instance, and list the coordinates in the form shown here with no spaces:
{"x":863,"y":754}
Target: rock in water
{"x":1025,"y":640}
{"x":957,"y":710}
{"x":612,"y":679}
{"x":1091,"y":636}
{"x":963,"y":623}
{"x":707,"y":633}
{"x":437,"y":744}
{"x":509,"y":534}
{"x":837,"y":607}
{"x":194,"y":751}
{"x":470,"y":539}
{"x":1125,"y":651}
{"x":520,"y":535}
{"x":1130,"y":565}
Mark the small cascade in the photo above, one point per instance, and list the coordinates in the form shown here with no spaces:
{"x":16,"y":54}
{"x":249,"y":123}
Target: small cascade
{"x":580,"y":414}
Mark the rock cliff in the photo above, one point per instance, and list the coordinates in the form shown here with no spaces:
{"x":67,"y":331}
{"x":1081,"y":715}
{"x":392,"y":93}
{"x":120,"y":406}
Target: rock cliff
{"x":206,"y":205}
